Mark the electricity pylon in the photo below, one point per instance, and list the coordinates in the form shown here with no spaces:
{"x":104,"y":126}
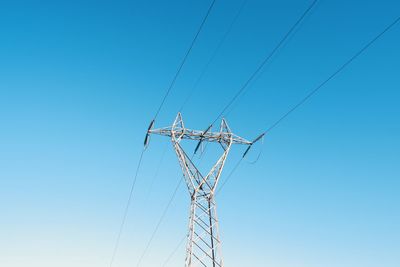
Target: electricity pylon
{"x":203,"y":244}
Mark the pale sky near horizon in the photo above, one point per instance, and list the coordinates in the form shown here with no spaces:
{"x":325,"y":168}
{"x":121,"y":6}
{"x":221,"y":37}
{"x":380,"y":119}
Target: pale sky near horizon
{"x":81,"y":80}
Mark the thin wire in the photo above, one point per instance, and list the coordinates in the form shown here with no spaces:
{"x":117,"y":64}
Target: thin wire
{"x":214,"y":54}
{"x":340,"y":69}
{"x":174,"y":251}
{"x":356,"y":55}
{"x":229,"y":176}
{"x":155,"y":116}
{"x":184,"y":59}
{"x":259,"y":153}
{"x":159,"y":222}
{"x":155,"y":176}
{"x":161,"y":218}
{"x":295,"y":107}
{"x":183,"y":239}
{"x":265,"y":69}
{"x":266,"y":60}
{"x":157,"y":112}
{"x":185,"y":102}
{"x":126,"y":209}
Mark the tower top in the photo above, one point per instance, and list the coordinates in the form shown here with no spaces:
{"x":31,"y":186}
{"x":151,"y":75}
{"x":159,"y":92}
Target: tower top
{"x":179,"y":131}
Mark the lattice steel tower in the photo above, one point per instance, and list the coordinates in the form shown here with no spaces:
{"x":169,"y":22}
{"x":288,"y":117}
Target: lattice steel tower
{"x":203,"y":244}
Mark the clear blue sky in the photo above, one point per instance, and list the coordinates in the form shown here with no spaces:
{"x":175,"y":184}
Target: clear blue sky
{"x":80,"y":81}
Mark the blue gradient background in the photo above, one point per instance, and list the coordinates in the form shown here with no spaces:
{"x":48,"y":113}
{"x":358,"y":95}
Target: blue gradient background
{"x":80,"y":81}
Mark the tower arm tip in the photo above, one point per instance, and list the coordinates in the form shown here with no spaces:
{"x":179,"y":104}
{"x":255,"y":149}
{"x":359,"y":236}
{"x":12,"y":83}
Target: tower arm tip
{"x":252,"y":143}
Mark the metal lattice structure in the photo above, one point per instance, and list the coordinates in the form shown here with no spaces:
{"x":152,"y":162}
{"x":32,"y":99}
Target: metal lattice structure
{"x":203,"y":244}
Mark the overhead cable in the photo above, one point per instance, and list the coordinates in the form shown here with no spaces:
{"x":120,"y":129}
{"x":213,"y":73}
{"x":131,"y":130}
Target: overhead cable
{"x":151,"y":125}
{"x":299,"y":104}
{"x":214,"y":54}
{"x":171,"y":85}
{"x":266,"y":59}
{"x":323,"y":83}
{"x":125,"y":214}
{"x":334,"y":74}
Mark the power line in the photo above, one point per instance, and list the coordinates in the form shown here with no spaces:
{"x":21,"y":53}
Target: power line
{"x":184,"y":237}
{"x":266,"y":60}
{"x":159,"y":222}
{"x":155,"y":116}
{"x":365,"y":47}
{"x":174,"y":251}
{"x":222,"y":40}
{"x":323,"y":83}
{"x":158,"y":110}
{"x":214,"y":54}
{"x":126,"y":209}
{"x":243,"y":87}
{"x":184,"y":59}
{"x":167,"y":93}
{"x":229,"y":176}
{"x":156,"y":173}
{"x":161,"y":219}
{"x":340,"y":69}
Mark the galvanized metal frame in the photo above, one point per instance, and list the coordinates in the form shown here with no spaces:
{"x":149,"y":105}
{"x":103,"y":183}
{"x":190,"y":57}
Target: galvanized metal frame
{"x":203,"y":245}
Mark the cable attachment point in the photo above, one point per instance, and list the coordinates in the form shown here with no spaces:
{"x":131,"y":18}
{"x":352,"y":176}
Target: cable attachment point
{"x":147,"y":138}
{"x":252,"y":143}
{"x":202,"y":138}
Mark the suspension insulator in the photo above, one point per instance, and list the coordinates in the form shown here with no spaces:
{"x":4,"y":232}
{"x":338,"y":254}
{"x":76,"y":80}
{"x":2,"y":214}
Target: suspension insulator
{"x":147,"y":138}
{"x":201,"y":139}
{"x":252,"y":143}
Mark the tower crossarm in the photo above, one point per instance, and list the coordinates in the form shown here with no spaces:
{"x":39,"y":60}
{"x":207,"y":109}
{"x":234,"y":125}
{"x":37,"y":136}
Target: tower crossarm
{"x":205,"y":136}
